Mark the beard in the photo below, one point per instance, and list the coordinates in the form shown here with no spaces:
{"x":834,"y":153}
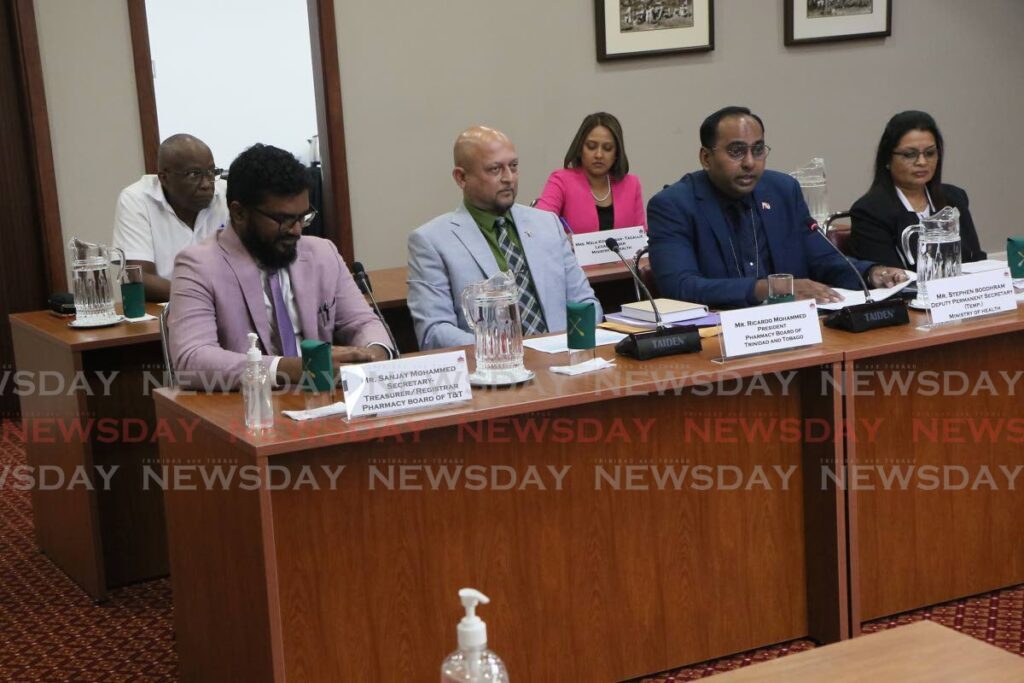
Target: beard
{"x":269,"y":254}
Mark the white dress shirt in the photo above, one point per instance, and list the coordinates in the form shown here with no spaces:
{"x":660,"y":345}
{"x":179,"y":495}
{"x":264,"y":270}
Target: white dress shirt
{"x":147,"y":228}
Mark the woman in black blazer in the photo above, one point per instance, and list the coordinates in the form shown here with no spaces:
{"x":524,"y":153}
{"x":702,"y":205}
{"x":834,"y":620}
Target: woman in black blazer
{"x":907,"y":186}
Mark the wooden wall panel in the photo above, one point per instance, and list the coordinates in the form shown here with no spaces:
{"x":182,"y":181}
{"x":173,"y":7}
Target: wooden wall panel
{"x":27,"y":270}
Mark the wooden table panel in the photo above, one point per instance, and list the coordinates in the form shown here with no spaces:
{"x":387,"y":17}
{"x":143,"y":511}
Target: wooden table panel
{"x":913,"y":548}
{"x":217,"y":569}
{"x":100,"y":537}
{"x":922,"y":544}
{"x":362,"y":583}
{"x":570,"y":571}
{"x":131,"y":514}
{"x":66,"y":519}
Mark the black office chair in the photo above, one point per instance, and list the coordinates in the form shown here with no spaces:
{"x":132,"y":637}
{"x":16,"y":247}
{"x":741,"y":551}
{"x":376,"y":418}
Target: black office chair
{"x":839,"y":235}
{"x":646,"y":274}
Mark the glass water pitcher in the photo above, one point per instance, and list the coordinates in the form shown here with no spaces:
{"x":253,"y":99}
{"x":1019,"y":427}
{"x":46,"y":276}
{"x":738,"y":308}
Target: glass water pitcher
{"x":491,"y":308}
{"x":814,"y":188}
{"x":92,"y":283}
{"x":938,"y":248}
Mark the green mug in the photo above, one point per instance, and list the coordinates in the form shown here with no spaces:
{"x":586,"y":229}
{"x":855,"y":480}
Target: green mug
{"x":133,"y":292}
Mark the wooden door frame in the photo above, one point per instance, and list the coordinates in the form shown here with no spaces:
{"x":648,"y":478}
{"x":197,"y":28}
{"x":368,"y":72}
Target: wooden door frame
{"x":40,"y":145}
{"x":330,"y":122}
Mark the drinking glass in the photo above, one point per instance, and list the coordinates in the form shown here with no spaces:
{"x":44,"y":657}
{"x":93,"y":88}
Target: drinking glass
{"x":780,"y":288}
{"x":133,"y":294}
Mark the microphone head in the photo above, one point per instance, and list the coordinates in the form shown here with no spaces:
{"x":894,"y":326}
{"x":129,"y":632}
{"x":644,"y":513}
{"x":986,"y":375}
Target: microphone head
{"x":361,"y":278}
{"x":612,"y":244}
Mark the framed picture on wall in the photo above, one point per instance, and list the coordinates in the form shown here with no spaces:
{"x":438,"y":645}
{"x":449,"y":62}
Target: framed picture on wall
{"x":642,"y":28}
{"x":822,"y":21}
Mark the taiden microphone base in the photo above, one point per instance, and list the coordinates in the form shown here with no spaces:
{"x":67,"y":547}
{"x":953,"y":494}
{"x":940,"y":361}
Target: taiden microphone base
{"x":666,"y":341}
{"x":869,"y":316}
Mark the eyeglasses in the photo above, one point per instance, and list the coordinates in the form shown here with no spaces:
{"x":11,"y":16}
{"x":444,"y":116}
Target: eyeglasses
{"x":737,"y":151}
{"x":196,"y":175}
{"x":911,"y":155}
{"x":287,"y":221}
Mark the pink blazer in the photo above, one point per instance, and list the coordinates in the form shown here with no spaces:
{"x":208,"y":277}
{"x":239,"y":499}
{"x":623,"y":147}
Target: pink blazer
{"x":567,"y":194}
{"x":217,"y":299}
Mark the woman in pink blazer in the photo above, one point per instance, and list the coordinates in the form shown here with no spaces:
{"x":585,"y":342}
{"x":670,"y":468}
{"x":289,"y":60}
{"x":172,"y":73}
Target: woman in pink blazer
{"x":594,"y":191}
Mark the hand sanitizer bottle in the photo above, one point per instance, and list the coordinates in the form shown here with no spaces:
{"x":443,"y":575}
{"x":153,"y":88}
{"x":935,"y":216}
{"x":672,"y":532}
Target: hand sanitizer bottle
{"x":473,"y":662}
{"x":259,"y":410}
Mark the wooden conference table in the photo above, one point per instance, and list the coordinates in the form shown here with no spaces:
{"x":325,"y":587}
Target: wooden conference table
{"x":605,"y":579}
{"x":99,"y":536}
{"x":923,"y":652}
{"x":623,"y":571}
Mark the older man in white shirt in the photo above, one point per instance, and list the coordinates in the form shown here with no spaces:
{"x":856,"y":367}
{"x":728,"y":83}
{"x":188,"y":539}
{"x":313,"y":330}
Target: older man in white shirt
{"x":159,"y":215}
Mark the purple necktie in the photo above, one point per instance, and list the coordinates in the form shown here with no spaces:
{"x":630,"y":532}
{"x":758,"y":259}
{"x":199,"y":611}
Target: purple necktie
{"x":285,"y":331}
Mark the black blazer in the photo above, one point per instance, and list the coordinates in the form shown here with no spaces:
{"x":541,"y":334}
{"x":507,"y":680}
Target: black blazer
{"x":878,"y":219}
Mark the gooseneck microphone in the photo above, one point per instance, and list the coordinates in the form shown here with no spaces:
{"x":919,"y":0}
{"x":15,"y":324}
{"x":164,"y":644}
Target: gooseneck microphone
{"x":869,"y":315}
{"x":813,"y":226}
{"x":663,"y":340}
{"x":363,"y":282}
{"x":613,"y":246}
{"x":636,"y":266}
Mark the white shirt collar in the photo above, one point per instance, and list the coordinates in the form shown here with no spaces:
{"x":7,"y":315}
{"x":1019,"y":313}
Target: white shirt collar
{"x":907,"y":205}
{"x":154,"y":189}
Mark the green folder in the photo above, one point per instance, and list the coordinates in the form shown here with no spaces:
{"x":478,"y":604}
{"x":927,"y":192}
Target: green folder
{"x":317,"y":373}
{"x":581,"y":325}
{"x":1015,"y":255}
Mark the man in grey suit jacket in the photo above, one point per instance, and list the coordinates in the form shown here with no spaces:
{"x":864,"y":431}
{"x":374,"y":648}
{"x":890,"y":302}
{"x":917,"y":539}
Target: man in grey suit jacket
{"x":466,"y":245}
{"x":260,"y":275}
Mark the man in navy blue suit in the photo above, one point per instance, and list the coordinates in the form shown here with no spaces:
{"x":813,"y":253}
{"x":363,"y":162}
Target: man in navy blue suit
{"x":717,"y":234}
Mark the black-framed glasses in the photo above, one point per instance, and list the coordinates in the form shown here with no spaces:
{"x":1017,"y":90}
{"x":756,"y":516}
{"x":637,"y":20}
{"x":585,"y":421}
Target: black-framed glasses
{"x":737,"y":151}
{"x":911,"y":155}
{"x":286,"y":221}
{"x":196,"y":175}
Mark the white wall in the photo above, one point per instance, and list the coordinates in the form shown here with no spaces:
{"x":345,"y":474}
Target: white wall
{"x":411,"y":83}
{"x":234,"y":72}
{"x":86,"y":52}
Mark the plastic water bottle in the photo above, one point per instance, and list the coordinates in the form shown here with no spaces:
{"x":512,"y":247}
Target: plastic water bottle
{"x":259,"y":409}
{"x":473,"y":662}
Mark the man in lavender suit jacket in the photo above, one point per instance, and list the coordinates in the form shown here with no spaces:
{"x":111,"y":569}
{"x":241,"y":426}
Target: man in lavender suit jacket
{"x":223,"y":289}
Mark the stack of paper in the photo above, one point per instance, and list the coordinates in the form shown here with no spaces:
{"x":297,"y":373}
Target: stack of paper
{"x":620,"y":319}
{"x":852,"y":297}
{"x":558,"y":343}
{"x":672,"y":311}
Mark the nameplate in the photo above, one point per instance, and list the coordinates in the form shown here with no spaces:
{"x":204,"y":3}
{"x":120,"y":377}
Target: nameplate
{"x":970,"y":296}
{"x":770,"y":328}
{"x":591,"y":249}
{"x":398,"y":386}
